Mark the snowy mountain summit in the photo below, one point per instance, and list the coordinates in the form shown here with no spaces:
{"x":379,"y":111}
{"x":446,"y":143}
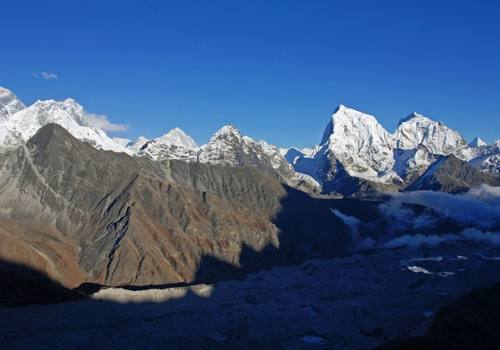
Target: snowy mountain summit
{"x":19,"y":123}
{"x":477,"y":142}
{"x":360,"y":144}
{"x":355,"y":146}
{"x":417,"y":129}
{"x":175,"y":144}
{"x":9,"y":104}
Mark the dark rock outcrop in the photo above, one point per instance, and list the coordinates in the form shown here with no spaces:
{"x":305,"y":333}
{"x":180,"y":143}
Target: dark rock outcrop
{"x":20,"y":285}
{"x":472,"y":322}
{"x":450,"y":174}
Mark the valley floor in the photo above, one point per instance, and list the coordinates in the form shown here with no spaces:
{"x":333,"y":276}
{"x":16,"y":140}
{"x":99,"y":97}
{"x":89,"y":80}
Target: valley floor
{"x":355,"y":302}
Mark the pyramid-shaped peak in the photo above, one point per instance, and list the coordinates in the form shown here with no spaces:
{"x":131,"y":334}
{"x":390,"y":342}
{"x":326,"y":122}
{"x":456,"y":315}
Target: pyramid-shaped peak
{"x":228,"y":130}
{"x":343,"y":109}
{"x":414,"y":116}
{"x":339,"y":108}
{"x":477,"y":142}
{"x":349,"y":118}
{"x":177,"y":137}
{"x":344,"y":112}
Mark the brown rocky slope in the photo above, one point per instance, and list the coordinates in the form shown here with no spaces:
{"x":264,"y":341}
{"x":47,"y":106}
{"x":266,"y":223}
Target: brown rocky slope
{"x":79,"y":214}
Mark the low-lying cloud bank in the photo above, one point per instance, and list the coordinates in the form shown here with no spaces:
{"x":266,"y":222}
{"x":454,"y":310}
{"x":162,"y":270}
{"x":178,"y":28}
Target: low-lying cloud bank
{"x":477,"y":212}
{"x":467,"y":235}
{"x":478,"y":207}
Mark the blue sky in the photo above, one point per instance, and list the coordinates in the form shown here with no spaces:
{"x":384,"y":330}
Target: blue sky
{"x":275,"y":69}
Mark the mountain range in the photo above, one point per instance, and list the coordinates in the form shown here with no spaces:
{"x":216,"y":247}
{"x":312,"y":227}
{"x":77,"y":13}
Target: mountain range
{"x":356,"y":155}
{"x":81,"y":206}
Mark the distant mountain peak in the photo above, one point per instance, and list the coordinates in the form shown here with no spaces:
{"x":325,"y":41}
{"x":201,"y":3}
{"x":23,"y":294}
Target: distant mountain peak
{"x":339,"y":108}
{"x":4,"y":92}
{"x":418,"y":129}
{"x":345,"y":116}
{"x":18,"y":127}
{"x":9,"y":104}
{"x":175,"y":144}
{"x":348,"y":111}
{"x":177,"y":137}
{"x":477,"y":142}
{"x":360,"y":143}
{"x":414,"y":116}
{"x":227,"y":130}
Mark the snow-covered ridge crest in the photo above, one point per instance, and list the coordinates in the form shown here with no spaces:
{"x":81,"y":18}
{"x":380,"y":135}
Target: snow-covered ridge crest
{"x":9,"y":104}
{"x":175,"y":144}
{"x":227,"y":146}
{"x":417,"y":129}
{"x":18,"y":127}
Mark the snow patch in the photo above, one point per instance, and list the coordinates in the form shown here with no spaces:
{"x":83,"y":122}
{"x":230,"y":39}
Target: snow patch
{"x":418,"y":269}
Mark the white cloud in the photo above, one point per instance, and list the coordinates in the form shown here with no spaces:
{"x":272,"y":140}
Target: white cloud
{"x":467,"y":235}
{"x":101,"y":121}
{"x":479,"y":207}
{"x":45,"y":75}
{"x":350,"y":221}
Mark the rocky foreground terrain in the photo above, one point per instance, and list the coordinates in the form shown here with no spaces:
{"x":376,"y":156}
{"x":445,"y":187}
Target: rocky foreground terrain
{"x":356,"y":302}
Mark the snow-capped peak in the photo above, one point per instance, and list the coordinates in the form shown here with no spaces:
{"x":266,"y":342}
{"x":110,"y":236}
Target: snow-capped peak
{"x":175,"y":144}
{"x":417,"y":129}
{"x":414,"y":116}
{"x":23,"y":124}
{"x":360,"y":143}
{"x":9,"y":104}
{"x":477,"y":142}
{"x":177,"y":137}
{"x":227,"y":131}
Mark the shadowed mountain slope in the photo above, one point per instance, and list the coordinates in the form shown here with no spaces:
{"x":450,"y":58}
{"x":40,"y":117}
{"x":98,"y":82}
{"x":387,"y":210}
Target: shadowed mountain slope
{"x":471,"y":322}
{"x":87,"y":215}
{"x":450,"y":174}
